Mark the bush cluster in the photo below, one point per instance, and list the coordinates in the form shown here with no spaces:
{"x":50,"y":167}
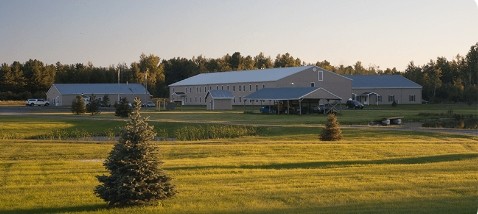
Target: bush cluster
{"x":214,"y":132}
{"x":80,"y":134}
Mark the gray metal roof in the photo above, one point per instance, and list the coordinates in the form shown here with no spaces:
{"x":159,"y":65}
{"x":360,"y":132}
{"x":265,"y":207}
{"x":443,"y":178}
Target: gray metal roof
{"x":220,"y":94}
{"x":101,"y":88}
{"x":381,"y":81}
{"x":261,"y":75}
{"x":292,"y":94}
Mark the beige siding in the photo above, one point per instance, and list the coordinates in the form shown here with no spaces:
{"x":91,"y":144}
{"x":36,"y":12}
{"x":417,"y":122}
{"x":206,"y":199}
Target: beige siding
{"x":219,"y":104}
{"x":336,"y":84}
{"x":54,"y":96}
{"x":66,"y":100}
{"x":400,"y":95}
{"x":196,"y":94}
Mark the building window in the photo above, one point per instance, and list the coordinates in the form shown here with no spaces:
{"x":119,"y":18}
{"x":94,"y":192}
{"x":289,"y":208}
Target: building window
{"x":228,"y":88}
{"x":312,"y":84}
{"x":320,"y":75}
{"x":234,"y":100}
{"x":240,"y":99}
{"x":244,"y":87}
{"x":257,"y":87}
{"x":391,"y":98}
{"x":217,"y":87}
{"x":240,"y":88}
{"x":222,"y":87}
{"x":263,"y":86}
{"x":411,"y":98}
{"x":233,"y":88}
{"x":379,"y":98}
{"x":250,"y":87}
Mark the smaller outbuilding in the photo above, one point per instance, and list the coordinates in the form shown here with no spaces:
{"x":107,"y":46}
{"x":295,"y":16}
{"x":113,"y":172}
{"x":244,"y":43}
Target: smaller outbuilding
{"x":64,"y":94}
{"x":219,"y":100}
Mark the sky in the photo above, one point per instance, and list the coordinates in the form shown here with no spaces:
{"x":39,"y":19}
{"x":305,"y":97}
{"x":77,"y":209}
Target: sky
{"x":381,"y":33}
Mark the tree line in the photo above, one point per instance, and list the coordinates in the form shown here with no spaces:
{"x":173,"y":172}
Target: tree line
{"x":443,"y":80}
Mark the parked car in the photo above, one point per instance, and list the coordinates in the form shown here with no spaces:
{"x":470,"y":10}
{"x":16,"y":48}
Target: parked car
{"x":149,"y":104}
{"x":354,"y":104}
{"x":37,"y":102}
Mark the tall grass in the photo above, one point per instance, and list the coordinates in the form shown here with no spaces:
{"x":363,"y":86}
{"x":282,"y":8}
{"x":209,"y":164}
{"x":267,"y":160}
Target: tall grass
{"x":78,"y":134}
{"x":204,"y":132}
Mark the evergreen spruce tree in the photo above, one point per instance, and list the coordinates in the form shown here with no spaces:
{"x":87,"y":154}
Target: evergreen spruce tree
{"x":123,"y":109}
{"x":78,"y":105}
{"x":135,"y":174}
{"x":94,"y":106}
{"x":106,"y":101}
{"x":332,"y":130}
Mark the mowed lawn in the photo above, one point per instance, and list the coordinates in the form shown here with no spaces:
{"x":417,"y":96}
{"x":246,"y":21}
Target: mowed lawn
{"x":284,"y":169}
{"x":389,"y":173}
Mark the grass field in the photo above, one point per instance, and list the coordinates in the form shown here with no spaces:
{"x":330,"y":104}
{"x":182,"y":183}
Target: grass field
{"x":284,"y":170}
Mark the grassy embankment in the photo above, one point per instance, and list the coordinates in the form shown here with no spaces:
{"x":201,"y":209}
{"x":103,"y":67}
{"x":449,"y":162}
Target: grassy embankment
{"x":284,"y":170}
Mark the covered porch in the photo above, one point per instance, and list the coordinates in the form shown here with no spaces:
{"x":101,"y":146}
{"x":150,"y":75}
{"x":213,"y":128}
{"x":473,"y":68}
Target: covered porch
{"x":296,"y":100}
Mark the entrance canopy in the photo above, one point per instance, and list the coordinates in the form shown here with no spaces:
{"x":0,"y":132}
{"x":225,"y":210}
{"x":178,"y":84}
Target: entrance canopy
{"x":367,"y":96}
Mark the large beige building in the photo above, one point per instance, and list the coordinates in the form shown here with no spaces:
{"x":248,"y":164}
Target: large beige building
{"x":245,"y":88}
{"x":193,"y":90}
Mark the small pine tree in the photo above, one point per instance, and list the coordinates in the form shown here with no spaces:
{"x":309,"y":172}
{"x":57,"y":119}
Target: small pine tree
{"x":123,"y":108}
{"x":94,"y":106}
{"x":394,"y":103}
{"x":106,"y":101}
{"x":332,"y":130}
{"x":135,"y":174}
{"x":78,"y":105}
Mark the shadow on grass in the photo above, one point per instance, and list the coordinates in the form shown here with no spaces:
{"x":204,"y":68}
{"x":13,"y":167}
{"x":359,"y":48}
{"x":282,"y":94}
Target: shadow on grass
{"x":84,"y":208}
{"x":405,"y":205}
{"x":332,"y":164}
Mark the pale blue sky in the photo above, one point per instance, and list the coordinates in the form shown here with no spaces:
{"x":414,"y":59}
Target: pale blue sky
{"x":107,"y":32}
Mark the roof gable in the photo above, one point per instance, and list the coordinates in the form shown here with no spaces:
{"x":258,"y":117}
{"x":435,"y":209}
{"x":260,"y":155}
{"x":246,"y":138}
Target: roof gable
{"x":220,"y":94}
{"x":101,"y":88}
{"x":292,"y":94}
{"x":381,"y":81}
{"x":261,"y":75}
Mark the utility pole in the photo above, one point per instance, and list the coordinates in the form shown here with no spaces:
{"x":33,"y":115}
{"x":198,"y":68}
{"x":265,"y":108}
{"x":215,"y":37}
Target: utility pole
{"x":147,"y":69}
{"x":118,"y":85}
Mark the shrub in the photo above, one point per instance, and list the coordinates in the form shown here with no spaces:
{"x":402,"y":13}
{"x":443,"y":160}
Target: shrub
{"x":94,"y":106}
{"x":394,"y":103}
{"x":78,"y":105}
{"x":123,"y":108}
{"x":106,"y":101}
{"x":332,"y":130}
{"x":135,"y":174}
